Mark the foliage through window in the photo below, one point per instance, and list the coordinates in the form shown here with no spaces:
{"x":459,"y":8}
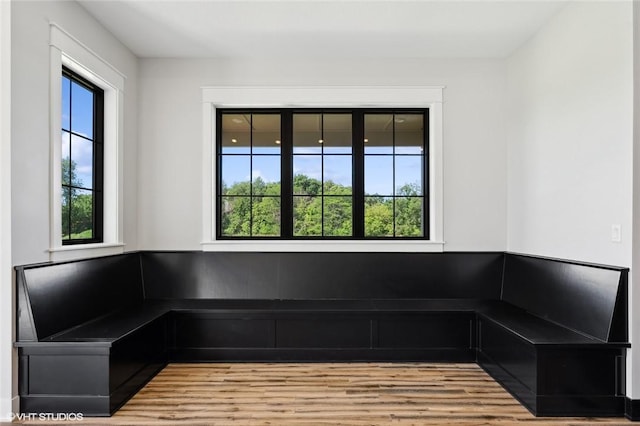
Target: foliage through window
{"x":82,"y":153}
{"x":322,"y":174}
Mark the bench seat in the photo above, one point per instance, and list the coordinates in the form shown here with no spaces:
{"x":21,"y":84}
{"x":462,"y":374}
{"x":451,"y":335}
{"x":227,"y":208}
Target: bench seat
{"x":537,"y":331}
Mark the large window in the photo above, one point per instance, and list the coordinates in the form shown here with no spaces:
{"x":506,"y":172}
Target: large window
{"x":322,"y":174}
{"x":82,"y":159}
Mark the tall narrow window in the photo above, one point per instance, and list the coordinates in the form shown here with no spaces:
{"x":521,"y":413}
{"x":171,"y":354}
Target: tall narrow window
{"x":82,"y":160}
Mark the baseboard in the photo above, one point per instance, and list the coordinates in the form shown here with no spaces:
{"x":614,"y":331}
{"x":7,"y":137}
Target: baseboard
{"x":632,"y":409}
{"x":8,"y":417}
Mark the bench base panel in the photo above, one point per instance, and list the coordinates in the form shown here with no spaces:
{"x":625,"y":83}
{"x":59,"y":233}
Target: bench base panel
{"x":553,"y":405}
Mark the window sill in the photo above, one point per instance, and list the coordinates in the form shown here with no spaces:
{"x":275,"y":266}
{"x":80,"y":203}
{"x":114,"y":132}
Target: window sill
{"x":325,"y":246}
{"x":82,"y":251}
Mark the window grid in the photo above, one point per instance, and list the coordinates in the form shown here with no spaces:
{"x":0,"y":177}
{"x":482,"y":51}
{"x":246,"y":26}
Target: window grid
{"x":357,"y":195}
{"x":324,"y":197}
{"x":393,"y":195}
{"x":73,"y":189}
{"x":252,"y":197}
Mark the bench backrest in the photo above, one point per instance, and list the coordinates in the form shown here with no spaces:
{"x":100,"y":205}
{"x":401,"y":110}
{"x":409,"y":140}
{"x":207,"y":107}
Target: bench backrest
{"x":55,"y":297}
{"x":591,"y":299}
{"x":234,"y":275}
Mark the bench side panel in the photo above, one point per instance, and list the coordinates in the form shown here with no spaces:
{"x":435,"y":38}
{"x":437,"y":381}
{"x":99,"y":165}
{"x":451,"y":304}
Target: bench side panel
{"x":580,"y":296}
{"x":63,"y":295}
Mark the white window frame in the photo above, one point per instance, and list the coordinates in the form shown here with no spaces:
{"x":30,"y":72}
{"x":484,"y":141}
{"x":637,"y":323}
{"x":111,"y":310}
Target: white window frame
{"x":68,"y":51}
{"x":323,"y":97}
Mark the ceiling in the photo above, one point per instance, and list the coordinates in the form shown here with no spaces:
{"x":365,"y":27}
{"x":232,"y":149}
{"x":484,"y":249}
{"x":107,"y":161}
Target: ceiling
{"x":307,"y":28}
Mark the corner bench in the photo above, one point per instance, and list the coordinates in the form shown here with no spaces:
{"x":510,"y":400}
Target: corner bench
{"x":91,"y":333}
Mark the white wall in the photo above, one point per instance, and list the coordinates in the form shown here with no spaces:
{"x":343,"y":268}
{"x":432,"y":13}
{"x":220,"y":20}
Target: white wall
{"x":634,"y":296}
{"x":30,"y":145}
{"x":8,"y":387}
{"x":170,"y":123}
{"x":570,"y":136}
{"x":30,"y":121}
{"x":570,"y":143}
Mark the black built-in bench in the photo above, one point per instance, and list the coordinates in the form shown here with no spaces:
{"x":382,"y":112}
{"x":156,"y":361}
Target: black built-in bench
{"x":91,"y":333}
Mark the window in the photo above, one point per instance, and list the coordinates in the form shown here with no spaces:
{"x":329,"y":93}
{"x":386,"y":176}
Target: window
{"x":82,"y":159}
{"x":322,"y":174}
{"x":87,"y":141}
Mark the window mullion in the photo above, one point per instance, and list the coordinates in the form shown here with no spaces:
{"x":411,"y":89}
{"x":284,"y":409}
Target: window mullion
{"x":426,"y":207}
{"x":322,"y":175}
{"x":251,"y":175}
{"x":357,"y":126}
{"x":393,"y":178}
{"x":286,"y":174}
{"x":98,"y":165}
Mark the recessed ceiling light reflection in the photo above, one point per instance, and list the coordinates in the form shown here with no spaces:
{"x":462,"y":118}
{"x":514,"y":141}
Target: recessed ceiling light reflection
{"x":234,"y":140}
{"x":320,"y":140}
{"x":366,"y":140}
{"x":277,"y":142}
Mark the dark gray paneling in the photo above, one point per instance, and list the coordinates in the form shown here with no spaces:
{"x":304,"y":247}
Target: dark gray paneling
{"x":202,"y":331}
{"x":509,"y":352}
{"x":338,"y":333}
{"x":67,"y":375}
{"x":427,"y":331}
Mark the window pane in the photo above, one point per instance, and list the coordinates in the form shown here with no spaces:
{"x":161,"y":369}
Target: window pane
{"x":338,"y":216}
{"x":81,"y":214}
{"x":307,"y":134}
{"x":236,"y":134}
{"x":307,"y":216}
{"x":66,"y":160}
{"x":378,"y":217}
{"x":266,"y":175}
{"x":81,"y":162}
{"x":409,"y":216}
{"x":337,"y":133}
{"x":266,"y":216}
{"x":378,"y":134}
{"x":266,"y":133}
{"x":409,"y":135}
{"x":236,"y":216}
{"x":66,"y":103}
{"x":236,"y":170}
{"x":66,"y":205}
{"x":408,"y":175}
{"x":81,"y":110}
{"x":378,"y":175}
{"x":307,"y":174}
{"x":338,"y":176}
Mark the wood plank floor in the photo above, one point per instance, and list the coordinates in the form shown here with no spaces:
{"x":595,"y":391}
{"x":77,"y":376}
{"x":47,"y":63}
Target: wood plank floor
{"x":323,"y":394}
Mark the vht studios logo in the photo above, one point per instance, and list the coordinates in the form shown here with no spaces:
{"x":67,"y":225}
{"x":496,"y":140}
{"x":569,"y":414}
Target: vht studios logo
{"x":64,"y":417}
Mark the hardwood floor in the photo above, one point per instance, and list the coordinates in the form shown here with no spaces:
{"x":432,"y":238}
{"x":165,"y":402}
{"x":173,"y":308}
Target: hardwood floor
{"x":319,"y":394}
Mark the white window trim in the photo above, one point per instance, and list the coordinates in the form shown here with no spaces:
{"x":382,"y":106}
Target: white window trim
{"x":326,"y":97}
{"x":68,"y":51}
